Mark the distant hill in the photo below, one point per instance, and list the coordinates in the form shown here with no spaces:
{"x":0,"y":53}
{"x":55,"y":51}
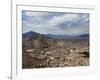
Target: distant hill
{"x":30,"y":34}
{"x":32,"y":39}
{"x":65,"y":37}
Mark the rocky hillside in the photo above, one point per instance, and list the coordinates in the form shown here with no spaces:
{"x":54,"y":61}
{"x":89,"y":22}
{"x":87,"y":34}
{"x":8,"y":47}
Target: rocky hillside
{"x":41,"y":51}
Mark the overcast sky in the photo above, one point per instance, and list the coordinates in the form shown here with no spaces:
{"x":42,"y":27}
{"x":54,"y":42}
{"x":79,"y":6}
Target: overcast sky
{"x":57,"y":23}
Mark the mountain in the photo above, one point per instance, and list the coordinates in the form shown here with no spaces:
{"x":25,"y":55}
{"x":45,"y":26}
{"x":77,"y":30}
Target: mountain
{"x":30,"y":34}
{"x":84,"y":35}
{"x":59,"y":36}
{"x":65,"y":37}
{"x":35,"y":40}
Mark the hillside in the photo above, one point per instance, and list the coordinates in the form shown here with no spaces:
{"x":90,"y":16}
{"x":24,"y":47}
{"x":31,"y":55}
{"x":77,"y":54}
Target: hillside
{"x":41,"y":51}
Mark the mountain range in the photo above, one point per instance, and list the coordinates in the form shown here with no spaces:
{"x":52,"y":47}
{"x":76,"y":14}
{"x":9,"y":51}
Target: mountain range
{"x":32,"y":34}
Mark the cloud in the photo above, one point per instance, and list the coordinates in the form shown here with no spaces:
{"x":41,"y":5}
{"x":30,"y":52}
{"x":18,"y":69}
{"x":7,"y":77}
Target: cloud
{"x":35,"y":14}
{"x":55,"y":23}
{"x":64,"y":18}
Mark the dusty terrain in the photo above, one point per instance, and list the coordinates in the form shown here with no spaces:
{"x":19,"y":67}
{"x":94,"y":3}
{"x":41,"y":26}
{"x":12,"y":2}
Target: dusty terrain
{"x":43,"y":52}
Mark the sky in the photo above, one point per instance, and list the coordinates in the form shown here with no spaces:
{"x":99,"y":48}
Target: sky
{"x":57,"y":23}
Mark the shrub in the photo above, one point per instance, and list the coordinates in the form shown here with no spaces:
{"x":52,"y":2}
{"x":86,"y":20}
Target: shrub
{"x":86,"y":54}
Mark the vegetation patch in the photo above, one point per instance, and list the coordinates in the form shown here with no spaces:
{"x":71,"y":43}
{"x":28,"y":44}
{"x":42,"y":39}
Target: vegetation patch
{"x":86,"y":54}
